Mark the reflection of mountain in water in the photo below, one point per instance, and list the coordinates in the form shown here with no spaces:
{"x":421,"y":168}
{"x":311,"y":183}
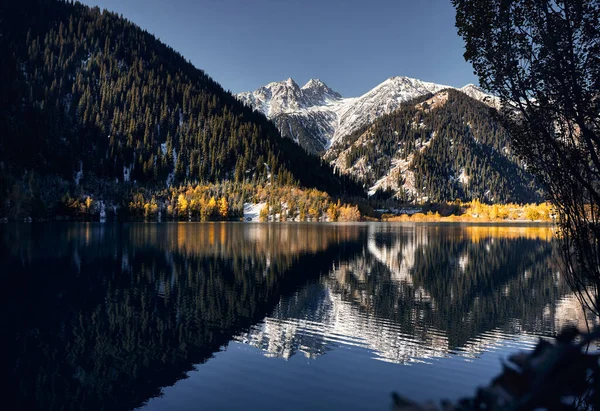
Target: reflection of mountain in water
{"x":102,"y":317}
{"x":416,"y":292}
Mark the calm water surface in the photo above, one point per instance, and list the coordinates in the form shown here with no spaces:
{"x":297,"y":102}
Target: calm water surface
{"x":238,"y":316}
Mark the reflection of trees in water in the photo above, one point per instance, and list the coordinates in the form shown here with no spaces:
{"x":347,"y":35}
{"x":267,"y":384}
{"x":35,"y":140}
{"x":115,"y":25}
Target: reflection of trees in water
{"x":103,"y":316}
{"x":106,"y":315}
{"x":502,"y":280}
{"x":457,"y":283}
{"x":421,"y":291}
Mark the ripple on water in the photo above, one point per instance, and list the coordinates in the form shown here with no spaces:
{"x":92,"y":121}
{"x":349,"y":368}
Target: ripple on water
{"x":342,"y":325}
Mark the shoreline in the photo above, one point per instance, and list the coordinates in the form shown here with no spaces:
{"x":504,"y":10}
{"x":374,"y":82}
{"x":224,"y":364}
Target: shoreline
{"x":458,"y":220}
{"x":443,"y":220}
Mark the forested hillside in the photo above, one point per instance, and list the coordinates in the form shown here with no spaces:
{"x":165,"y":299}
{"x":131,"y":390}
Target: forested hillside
{"x":438,"y":147}
{"x":90,"y":103}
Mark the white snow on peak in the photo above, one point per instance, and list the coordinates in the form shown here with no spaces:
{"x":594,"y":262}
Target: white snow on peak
{"x":383,"y":99}
{"x":312,"y":83}
{"x":334,"y":116}
{"x":317,"y":93}
{"x":477,"y":93}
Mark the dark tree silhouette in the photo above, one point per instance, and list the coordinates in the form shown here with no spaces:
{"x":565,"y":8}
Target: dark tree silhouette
{"x":542,"y":58}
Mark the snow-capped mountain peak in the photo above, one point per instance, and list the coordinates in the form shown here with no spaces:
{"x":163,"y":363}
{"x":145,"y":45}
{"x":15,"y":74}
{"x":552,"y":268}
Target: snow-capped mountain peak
{"x":316,"y":92}
{"x":408,"y":84}
{"x":324,"y":116}
{"x":383,"y":99}
{"x":314,"y":83}
{"x":290,"y":82}
{"x":275,"y":98}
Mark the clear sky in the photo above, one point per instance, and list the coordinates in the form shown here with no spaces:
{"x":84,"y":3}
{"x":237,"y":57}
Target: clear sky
{"x":352,"y":45}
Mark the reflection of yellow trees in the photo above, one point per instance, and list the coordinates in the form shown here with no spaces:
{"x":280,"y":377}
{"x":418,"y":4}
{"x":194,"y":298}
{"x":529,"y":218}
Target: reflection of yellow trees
{"x":478,"y":233}
{"x":211,"y":234}
{"x":226,"y":239}
{"x":223,"y":235}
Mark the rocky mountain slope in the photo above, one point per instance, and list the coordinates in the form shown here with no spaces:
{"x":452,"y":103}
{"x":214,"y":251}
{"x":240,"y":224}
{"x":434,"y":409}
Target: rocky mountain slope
{"x":316,"y":117}
{"x":436,"y":148}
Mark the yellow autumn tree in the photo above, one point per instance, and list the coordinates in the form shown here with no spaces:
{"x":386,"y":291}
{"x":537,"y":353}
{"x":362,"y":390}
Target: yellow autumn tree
{"x":182,"y":205}
{"x":203,"y":210}
{"x":313,"y":213}
{"x":493,"y":211}
{"x":88,"y":203}
{"x":504,"y":211}
{"x":349,"y":213}
{"x":476,"y":208}
{"x":333,"y":211}
{"x":211,"y":207}
{"x":194,"y":206}
{"x":150,"y":208}
{"x":264,"y":213}
{"x":545,"y":211}
{"x":531,"y":212}
{"x":223,"y":207}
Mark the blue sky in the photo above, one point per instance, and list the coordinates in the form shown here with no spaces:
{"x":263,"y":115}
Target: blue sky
{"x":352,"y":45}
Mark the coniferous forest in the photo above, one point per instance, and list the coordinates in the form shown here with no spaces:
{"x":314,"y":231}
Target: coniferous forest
{"x":93,"y":106}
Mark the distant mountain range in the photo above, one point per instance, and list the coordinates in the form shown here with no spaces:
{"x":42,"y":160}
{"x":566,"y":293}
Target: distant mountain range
{"x":407,"y":138}
{"x":316,"y":117}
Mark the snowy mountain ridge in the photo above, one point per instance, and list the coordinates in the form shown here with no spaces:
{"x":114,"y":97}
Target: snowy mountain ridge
{"x":477,"y":93}
{"x":316,"y":116}
{"x":287,"y":97}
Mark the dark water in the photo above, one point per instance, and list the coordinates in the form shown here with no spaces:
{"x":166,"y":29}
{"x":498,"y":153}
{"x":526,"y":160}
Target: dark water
{"x":259,"y":316}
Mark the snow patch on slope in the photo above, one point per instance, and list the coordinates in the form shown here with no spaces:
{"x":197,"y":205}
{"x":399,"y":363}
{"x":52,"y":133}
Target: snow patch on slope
{"x":252,"y":211}
{"x":477,"y":93}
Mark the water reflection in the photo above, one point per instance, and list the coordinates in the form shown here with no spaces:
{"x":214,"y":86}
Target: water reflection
{"x":424,"y":291}
{"x":104,"y":316}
